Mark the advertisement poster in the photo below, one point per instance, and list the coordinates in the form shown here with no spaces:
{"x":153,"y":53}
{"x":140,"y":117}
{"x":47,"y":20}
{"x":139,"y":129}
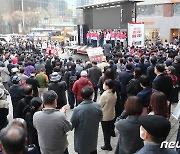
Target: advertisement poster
{"x":95,"y":54}
{"x":136,"y":34}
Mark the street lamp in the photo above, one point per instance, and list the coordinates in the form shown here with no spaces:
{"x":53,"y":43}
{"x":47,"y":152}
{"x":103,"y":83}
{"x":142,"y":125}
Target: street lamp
{"x":22,"y":8}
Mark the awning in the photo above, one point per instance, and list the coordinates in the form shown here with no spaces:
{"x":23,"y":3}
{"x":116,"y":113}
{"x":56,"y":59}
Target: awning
{"x":108,"y":4}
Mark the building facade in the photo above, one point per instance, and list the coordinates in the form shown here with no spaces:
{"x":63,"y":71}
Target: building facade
{"x":161,"y":18}
{"x":62,"y":15}
{"x":84,"y":2}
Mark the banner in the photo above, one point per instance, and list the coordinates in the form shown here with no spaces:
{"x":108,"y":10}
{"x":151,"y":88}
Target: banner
{"x":136,"y":34}
{"x":95,"y":54}
{"x":53,"y":51}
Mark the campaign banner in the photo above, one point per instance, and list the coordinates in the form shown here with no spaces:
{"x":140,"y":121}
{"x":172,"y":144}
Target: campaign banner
{"x":136,"y":34}
{"x":53,"y":51}
{"x":95,"y":54}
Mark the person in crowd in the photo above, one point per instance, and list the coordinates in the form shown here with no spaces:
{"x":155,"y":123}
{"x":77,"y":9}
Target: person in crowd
{"x":162,"y":82}
{"x":129,"y":138}
{"x":79,"y":84}
{"x":150,"y":69}
{"x":49,"y":68}
{"x":79,"y":67}
{"x":17,"y":93}
{"x":55,"y":123}
{"x":42,"y":79}
{"x":24,"y":103}
{"x":158,"y":104}
{"x":133,"y":87}
{"x":4,"y":109}
{"x":85,"y":119}
{"x":59,"y":87}
{"x":103,"y":64}
{"x":107,"y":49}
{"x":145,"y":95}
{"x":154,"y":130}
{"x":94,"y":75}
{"x":176,"y":65}
{"x":69,"y":63}
{"x":28,"y":68}
{"x":5,"y":75}
{"x":10,"y":66}
{"x":13,"y":140}
{"x":108,"y":101}
{"x":22,"y":76}
{"x":142,"y":65}
{"x":35,"y":106}
{"x":70,"y":78}
{"x":171,"y":71}
{"x":124,"y":78}
{"x":34,"y":83}
{"x":40,"y":66}
{"x":14,"y":72}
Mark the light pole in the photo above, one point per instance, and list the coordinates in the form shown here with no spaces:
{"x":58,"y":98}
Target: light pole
{"x":22,"y":8}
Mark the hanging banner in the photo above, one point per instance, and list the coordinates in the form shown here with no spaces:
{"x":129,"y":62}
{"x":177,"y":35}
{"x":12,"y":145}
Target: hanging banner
{"x":136,"y":34}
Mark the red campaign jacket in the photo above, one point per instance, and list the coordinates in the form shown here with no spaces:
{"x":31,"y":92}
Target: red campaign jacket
{"x":79,"y":84}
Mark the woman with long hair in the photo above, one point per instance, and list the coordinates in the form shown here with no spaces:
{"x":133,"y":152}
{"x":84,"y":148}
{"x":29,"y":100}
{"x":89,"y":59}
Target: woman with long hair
{"x":36,"y":105}
{"x":158,"y":104}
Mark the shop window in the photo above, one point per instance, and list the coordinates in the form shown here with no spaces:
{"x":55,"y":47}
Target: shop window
{"x":145,"y":10}
{"x":176,"y":9}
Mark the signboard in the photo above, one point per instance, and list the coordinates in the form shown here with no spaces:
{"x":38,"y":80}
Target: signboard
{"x":95,"y":54}
{"x":136,"y":34}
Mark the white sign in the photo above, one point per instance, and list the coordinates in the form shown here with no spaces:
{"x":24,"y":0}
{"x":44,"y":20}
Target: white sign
{"x":95,"y":54}
{"x":136,"y":34}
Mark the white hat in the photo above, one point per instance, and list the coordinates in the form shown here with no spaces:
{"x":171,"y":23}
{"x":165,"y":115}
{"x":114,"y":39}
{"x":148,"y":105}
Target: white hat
{"x":14,"y":70}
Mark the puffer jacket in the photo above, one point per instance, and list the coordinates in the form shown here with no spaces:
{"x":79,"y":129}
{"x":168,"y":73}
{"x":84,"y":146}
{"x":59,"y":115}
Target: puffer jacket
{"x":78,"y":85}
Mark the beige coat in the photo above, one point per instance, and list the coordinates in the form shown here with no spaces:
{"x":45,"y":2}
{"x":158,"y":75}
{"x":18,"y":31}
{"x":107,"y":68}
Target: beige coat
{"x":108,"y":102}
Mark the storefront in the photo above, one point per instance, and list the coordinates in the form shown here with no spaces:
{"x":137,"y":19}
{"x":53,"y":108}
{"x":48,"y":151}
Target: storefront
{"x":151,"y":34}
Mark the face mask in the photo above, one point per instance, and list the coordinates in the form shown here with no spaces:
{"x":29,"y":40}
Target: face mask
{"x":104,"y":86}
{"x":141,"y":133}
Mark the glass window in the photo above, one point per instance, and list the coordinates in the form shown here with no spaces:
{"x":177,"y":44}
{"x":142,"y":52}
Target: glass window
{"x":177,"y":9}
{"x":147,"y":10}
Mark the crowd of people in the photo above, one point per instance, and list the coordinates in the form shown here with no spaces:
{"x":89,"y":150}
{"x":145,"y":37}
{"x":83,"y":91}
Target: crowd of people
{"x":131,"y":89}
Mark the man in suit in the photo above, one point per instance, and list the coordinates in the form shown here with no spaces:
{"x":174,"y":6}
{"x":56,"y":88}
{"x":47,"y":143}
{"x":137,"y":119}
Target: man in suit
{"x":94,"y":74}
{"x":145,"y":95}
{"x":154,"y":130}
{"x":150,"y":69}
{"x":124,"y":78}
{"x":162,"y":82}
{"x":107,"y":49}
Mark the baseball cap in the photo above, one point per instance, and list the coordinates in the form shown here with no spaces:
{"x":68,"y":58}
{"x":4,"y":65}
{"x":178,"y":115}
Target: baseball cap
{"x":155,"y":125}
{"x":16,"y":79}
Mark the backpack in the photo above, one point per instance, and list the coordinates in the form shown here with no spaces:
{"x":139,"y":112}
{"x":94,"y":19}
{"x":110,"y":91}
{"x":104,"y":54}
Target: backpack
{"x":26,"y":110}
{"x":72,"y":79}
